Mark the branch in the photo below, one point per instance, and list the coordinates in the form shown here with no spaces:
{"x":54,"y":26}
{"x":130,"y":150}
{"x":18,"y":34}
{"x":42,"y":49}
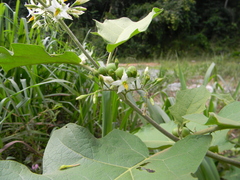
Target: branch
{"x":75,"y":40}
{"x":149,"y":119}
{"x":174,"y":138}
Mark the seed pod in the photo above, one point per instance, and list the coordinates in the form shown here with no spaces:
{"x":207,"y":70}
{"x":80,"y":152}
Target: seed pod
{"x":175,"y":132}
{"x":102,"y":70}
{"x":133,"y":71}
{"x":111,"y":66}
{"x":119,"y":72}
{"x":185,"y":132}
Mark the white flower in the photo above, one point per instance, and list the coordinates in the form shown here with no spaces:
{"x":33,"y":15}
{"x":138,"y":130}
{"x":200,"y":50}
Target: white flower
{"x":107,"y":79}
{"x":146,"y":71}
{"x":84,"y":58}
{"x":43,"y":13}
{"x":125,"y":83}
{"x":59,"y":10}
{"x":34,"y":10}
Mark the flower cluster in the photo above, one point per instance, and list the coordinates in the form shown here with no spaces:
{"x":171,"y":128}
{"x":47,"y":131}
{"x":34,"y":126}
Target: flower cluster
{"x":44,"y":11}
{"x":122,"y":79}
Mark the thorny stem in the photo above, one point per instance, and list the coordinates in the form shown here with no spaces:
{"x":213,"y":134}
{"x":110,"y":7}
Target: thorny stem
{"x":174,"y":138}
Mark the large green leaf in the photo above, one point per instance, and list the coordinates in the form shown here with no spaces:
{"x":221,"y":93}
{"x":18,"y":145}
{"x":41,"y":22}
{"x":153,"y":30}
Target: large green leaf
{"x":189,"y":101}
{"x":153,"y":138}
{"x":222,"y":122}
{"x":231,"y":111}
{"x":119,"y":155}
{"x":118,"y":31}
{"x":25,"y":54}
{"x":220,"y":140}
{"x":226,"y":98}
{"x":228,"y":117}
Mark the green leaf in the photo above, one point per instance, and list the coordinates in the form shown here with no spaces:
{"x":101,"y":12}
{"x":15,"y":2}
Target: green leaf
{"x":219,"y":141}
{"x":232,"y":174}
{"x":189,"y":101}
{"x":222,"y":122}
{"x":228,"y":117}
{"x":197,"y":118}
{"x":25,"y":54}
{"x":226,"y":98}
{"x":153,"y":138}
{"x":118,"y":31}
{"x":231,"y":111}
{"x":119,"y":155}
{"x":207,"y":76}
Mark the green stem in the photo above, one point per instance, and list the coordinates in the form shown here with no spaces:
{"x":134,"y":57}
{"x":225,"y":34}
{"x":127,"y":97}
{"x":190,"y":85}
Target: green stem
{"x":75,"y":40}
{"x":109,"y":57}
{"x":208,"y":130}
{"x":73,"y":37}
{"x":174,"y":138}
{"x":223,"y":159}
{"x":42,"y":3}
{"x":149,"y":119}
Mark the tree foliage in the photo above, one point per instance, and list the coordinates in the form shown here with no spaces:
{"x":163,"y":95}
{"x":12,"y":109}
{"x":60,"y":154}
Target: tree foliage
{"x":185,"y":25}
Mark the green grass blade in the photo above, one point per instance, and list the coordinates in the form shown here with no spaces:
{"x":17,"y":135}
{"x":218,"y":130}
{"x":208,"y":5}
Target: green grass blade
{"x":236,"y":92}
{"x":207,"y":76}
{"x":182,"y":79}
{"x":109,"y":111}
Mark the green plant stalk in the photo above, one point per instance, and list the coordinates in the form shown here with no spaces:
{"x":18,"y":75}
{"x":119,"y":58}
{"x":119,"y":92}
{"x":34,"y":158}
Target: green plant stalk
{"x":223,"y":159}
{"x":109,"y":58}
{"x":174,"y":138}
{"x":149,"y":119}
{"x":208,"y":130}
{"x":73,"y":37}
{"x":75,"y":40}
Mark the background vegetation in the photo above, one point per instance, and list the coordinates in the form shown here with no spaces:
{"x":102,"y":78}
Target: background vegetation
{"x":186,"y":27}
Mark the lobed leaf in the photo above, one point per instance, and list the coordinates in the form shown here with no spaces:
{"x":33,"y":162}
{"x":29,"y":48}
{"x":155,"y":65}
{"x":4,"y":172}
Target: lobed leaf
{"x":118,"y":31}
{"x":25,"y":54}
{"x":119,"y":155}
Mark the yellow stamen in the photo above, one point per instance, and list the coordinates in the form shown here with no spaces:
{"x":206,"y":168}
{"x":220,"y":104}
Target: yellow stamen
{"x":57,"y":12}
{"x":125,"y":84}
{"x":31,"y":19}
